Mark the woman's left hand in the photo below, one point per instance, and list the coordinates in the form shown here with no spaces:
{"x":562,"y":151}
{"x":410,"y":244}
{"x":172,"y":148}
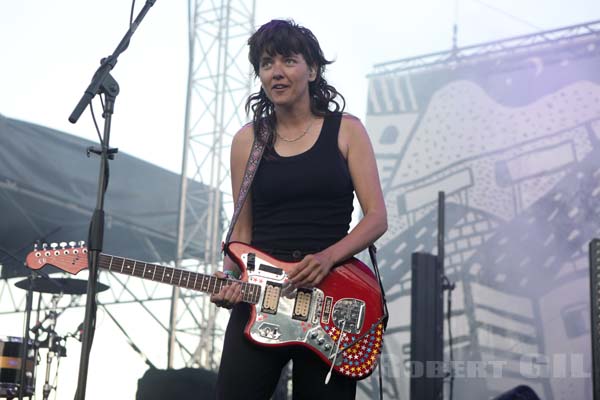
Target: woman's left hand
{"x":311,"y":270}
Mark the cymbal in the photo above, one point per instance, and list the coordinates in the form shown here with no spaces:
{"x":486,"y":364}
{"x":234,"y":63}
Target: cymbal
{"x":59,"y":285}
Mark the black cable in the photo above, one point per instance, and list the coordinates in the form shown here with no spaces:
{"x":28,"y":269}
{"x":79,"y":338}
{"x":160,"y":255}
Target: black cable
{"x":96,"y":124}
{"x":380,"y":381}
{"x":129,"y":340}
{"x":509,"y":15}
{"x":131,"y":15}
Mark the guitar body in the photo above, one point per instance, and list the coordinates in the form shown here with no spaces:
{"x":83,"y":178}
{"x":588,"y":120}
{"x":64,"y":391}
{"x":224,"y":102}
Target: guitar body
{"x":346,"y":302}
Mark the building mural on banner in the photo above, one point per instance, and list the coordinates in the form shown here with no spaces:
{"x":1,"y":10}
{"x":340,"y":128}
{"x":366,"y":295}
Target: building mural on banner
{"x":511,"y":133}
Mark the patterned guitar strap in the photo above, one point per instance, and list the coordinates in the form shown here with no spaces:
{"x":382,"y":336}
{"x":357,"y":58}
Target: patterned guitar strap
{"x":258,"y":148}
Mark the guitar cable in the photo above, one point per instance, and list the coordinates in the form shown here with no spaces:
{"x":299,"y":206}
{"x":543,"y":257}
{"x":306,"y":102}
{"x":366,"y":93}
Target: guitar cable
{"x":337,"y":352}
{"x":384,"y":319}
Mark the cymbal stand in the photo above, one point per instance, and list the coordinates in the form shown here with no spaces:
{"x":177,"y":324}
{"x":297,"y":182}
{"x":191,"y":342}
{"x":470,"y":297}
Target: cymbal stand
{"x":55,"y":347}
{"x":25,"y":348}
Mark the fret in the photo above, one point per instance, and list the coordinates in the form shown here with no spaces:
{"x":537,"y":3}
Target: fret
{"x":177,"y":273}
{"x":130,"y":270}
{"x":195,"y":280}
{"x":154,"y":276}
{"x":110,"y":263}
{"x":180,"y":276}
{"x":251,"y":294}
{"x":122,"y":265}
{"x":149,"y":271}
{"x":184,"y":279}
{"x":162,"y":278}
{"x":204,"y":285}
{"x":212,"y":286}
{"x":168,"y":275}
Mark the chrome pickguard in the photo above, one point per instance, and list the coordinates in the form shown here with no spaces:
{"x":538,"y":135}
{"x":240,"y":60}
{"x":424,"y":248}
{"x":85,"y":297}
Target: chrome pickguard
{"x":288,"y":316}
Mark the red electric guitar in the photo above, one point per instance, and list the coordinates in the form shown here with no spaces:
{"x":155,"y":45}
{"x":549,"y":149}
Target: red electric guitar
{"x":341,"y":320}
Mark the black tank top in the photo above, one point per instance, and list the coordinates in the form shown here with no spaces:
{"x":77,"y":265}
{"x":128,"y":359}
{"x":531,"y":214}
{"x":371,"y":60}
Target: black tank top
{"x":303,"y":202}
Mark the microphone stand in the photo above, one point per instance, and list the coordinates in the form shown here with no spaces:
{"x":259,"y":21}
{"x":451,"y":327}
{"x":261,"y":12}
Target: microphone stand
{"x":102,"y":83}
{"x":25,"y":348}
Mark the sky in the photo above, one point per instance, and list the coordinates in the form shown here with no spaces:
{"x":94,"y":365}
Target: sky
{"x":50,"y":49}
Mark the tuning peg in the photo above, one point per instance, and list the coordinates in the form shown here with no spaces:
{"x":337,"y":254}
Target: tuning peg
{"x":72,"y":244}
{"x":63,"y":245}
{"x":44,"y":246}
{"x":81,"y":243}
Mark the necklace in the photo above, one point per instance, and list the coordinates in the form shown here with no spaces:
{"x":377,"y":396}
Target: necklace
{"x":299,"y":137}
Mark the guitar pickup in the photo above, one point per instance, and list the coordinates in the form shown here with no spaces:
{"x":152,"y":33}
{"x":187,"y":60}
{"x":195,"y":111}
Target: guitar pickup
{"x":270,"y":301}
{"x":302,"y":304}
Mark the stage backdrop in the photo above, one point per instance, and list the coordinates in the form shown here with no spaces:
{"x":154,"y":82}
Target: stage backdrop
{"x":511,"y":132}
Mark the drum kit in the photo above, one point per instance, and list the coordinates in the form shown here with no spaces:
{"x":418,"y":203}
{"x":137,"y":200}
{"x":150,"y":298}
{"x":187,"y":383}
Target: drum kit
{"x":19,"y":358}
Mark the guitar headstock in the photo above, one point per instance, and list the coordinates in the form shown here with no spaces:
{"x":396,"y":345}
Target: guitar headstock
{"x":70,"y":257}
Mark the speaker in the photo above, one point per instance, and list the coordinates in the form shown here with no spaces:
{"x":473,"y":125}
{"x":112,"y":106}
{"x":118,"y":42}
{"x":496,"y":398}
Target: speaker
{"x":521,"y":392}
{"x":595,"y":313}
{"x":426,"y":328}
{"x":177,"y":384}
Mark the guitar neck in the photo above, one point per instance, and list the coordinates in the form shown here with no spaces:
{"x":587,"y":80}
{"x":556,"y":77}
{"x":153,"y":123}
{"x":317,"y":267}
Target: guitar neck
{"x":177,"y":277}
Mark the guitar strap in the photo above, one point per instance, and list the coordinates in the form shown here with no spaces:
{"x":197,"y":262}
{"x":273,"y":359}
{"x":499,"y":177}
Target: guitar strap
{"x":258,"y":148}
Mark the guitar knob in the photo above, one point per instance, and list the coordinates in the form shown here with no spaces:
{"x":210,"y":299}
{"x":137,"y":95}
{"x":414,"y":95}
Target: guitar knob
{"x":314,"y":335}
{"x":327,"y":346}
{"x":321,"y":340}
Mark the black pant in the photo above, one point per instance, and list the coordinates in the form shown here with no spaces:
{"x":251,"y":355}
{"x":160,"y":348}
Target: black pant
{"x":249,"y":371}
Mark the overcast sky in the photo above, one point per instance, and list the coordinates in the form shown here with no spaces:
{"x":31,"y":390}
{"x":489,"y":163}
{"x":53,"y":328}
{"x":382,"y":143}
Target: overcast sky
{"x":50,"y":49}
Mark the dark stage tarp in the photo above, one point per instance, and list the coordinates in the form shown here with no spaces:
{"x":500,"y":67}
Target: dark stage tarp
{"x":48,"y":192}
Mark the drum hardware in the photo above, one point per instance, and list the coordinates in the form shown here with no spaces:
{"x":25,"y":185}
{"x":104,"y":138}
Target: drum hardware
{"x":56,"y":349}
{"x":59,"y":286}
{"x":10,"y":367}
{"x":55,"y":343}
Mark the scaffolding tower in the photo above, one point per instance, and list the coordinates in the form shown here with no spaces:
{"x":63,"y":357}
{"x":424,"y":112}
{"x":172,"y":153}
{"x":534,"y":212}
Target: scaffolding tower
{"x":219,"y":81}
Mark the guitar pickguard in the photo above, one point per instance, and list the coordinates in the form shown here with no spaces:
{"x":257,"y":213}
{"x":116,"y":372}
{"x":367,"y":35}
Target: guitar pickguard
{"x":314,"y":319}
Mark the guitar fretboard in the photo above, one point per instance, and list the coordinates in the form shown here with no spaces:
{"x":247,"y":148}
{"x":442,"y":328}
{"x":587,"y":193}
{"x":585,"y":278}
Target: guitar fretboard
{"x":178,"y":277}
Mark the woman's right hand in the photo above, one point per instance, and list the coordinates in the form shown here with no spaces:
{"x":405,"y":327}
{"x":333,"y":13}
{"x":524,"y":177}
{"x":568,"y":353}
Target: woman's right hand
{"x":229,"y":295}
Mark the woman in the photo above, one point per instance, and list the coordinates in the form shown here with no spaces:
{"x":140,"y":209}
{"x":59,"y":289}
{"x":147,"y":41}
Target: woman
{"x":300,"y":204}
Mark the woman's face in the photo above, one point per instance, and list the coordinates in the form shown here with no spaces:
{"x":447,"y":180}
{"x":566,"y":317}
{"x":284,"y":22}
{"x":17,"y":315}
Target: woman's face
{"x":285,"y":79}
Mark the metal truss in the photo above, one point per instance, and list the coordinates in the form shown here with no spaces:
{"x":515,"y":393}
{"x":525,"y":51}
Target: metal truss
{"x":218,"y":85}
{"x":219,"y":82}
{"x":492,"y":50}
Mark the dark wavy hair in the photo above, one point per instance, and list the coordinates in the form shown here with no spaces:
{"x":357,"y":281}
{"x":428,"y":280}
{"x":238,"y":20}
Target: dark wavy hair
{"x":285,"y":37}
